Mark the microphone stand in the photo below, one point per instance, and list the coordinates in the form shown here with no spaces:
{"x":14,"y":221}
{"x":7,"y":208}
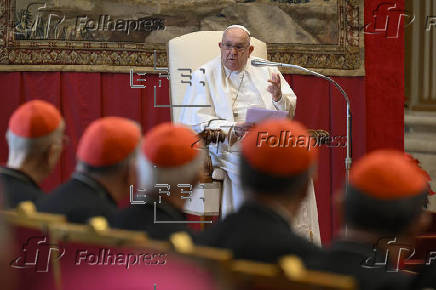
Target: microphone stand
{"x":260,"y":62}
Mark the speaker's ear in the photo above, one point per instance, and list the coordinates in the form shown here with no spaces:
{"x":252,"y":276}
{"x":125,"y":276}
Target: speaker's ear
{"x":250,"y":50}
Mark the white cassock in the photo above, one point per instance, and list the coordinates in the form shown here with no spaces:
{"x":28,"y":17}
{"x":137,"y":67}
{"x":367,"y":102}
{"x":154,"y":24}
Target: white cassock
{"x":230,"y":94}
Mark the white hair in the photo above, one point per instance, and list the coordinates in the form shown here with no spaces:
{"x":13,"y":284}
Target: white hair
{"x":22,"y":148}
{"x":150,"y":175}
{"x":237,"y":26}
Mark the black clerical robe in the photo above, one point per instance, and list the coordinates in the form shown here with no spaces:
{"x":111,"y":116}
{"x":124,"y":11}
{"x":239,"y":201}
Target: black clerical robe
{"x":17,"y":187}
{"x":142,"y":217}
{"x":364,"y":262}
{"x":260,"y":233}
{"x":80,"y":198}
{"x":426,"y":278}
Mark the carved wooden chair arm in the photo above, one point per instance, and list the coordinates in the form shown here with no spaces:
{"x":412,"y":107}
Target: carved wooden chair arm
{"x":322,"y":136}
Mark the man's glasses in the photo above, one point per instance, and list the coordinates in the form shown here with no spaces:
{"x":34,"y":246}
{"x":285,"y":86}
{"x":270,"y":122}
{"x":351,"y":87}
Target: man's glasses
{"x":239,"y":47}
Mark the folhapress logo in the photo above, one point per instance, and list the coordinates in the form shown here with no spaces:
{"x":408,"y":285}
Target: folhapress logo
{"x":36,"y":253}
{"x":388,"y":19}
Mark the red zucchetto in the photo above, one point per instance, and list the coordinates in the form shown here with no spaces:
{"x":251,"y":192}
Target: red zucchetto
{"x":387,"y":175}
{"x":279,"y":147}
{"x":35,"y":119}
{"x":170,"y":145}
{"x":108,"y":140}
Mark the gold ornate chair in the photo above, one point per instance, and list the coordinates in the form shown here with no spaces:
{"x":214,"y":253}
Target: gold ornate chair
{"x":80,"y":241}
{"x":97,"y":257}
{"x":25,"y":215}
{"x":31,"y":249}
{"x":290,"y":273}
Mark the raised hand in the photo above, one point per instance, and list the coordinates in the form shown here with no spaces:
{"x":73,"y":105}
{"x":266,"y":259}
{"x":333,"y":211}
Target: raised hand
{"x":275,"y":88}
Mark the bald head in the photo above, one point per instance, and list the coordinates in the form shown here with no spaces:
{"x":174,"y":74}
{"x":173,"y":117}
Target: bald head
{"x":235,"y":47}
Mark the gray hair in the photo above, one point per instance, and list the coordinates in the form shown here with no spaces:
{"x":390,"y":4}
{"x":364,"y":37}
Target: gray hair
{"x":149,"y":174}
{"x":21,"y":148}
{"x":82,"y":166}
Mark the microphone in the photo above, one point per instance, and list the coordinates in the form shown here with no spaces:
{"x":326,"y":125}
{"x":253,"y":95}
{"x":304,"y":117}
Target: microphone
{"x":262,"y":62}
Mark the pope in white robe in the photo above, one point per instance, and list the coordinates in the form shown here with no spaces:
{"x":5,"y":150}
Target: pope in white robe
{"x":231,"y":86}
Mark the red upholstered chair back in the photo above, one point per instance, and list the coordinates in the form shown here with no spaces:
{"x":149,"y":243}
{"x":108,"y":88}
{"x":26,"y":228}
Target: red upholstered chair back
{"x":31,"y":251}
{"x":29,"y":259}
{"x":119,"y":259}
{"x":425,"y":244}
{"x":289,"y":274}
{"x":89,"y":267}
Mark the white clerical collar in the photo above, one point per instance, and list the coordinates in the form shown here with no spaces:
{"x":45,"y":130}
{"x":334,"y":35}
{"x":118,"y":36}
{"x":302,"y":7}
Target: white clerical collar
{"x":229,"y":72}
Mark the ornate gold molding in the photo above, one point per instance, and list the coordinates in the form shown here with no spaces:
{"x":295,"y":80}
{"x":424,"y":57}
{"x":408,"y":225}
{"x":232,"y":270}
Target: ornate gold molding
{"x":344,"y":58}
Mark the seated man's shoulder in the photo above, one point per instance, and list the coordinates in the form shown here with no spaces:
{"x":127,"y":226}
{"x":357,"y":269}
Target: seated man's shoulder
{"x":16,"y":193}
{"x":68,"y":196}
{"x":70,"y":190}
{"x":349,"y":259}
{"x":261,"y":244}
{"x":426,"y":278}
{"x":82,"y":214}
{"x":256,"y":239}
{"x":68,"y":186}
{"x":56,"y":197}
{"x":134,"y":217}
{"x":17,"y":188}
{"x":143,"y":218}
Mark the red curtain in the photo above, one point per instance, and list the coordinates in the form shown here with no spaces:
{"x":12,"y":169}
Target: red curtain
{"x":321,"y":106}
{"x":384,"y":81}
